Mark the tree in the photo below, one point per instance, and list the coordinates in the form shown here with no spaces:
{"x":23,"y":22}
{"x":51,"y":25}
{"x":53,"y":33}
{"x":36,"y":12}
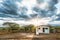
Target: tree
{"x":12,"y":26}
{"x":30,"y":28}
{"x":52,"y":29}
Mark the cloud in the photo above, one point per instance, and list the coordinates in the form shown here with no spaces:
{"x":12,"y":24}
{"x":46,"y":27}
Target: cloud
{"x":28,"y":9}
{"x":55,"y":23}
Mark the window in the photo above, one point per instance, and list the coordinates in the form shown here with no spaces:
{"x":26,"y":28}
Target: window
{"x":46,"y":28}
{"x":38,"y":28}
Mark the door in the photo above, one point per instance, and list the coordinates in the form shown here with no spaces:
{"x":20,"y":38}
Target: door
{"x":45,"y":30}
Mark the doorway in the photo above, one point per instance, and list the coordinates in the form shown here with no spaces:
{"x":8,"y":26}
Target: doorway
{"x":45,"y":30}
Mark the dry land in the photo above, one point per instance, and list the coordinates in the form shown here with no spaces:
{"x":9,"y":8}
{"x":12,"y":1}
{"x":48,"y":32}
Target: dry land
{"x":30,"y":36}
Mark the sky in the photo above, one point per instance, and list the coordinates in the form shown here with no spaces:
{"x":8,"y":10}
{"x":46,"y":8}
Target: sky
{"x":30,"y":11}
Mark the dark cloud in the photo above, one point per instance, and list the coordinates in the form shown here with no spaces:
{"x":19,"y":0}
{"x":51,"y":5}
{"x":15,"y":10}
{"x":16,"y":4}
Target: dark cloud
{"x":10,"y":9}
{"x":37,"y":9}
{"x":51,"y":10}
{"x":58,"y":19}
{"x":40,"y":1}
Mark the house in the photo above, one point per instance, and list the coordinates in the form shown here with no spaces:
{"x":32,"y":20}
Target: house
{"x":42,"y":29}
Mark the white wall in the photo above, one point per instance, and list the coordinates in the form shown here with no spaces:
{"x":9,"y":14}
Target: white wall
{"x":41,"y":29}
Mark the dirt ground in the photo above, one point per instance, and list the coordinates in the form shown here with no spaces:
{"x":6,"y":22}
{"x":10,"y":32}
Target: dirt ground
{"x":30,"y":36}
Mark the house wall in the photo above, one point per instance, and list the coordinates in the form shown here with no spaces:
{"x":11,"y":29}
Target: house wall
{"x":41,"y":29}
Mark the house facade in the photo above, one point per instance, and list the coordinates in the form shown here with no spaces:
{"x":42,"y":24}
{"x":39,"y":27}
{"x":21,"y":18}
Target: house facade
{"x":42,"y":29}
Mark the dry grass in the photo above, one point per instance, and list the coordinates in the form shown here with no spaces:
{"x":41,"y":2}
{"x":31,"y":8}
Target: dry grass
{"x":25,"y":36}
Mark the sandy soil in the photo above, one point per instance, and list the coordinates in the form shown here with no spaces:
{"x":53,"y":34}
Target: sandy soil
{"x":32,"y":36}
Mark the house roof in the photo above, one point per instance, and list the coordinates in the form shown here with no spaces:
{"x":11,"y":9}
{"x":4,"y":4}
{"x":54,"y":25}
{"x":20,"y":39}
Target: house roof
{"x":42,"y":25}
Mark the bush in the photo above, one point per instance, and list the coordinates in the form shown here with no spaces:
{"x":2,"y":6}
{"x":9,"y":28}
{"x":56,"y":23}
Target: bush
{"x":30,"y":28}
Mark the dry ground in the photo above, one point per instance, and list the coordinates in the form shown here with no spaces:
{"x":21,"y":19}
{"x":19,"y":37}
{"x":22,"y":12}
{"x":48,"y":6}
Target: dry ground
{"x":30,"y":36}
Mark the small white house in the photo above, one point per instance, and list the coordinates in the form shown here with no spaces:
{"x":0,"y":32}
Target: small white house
{"x":42,"y":29}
